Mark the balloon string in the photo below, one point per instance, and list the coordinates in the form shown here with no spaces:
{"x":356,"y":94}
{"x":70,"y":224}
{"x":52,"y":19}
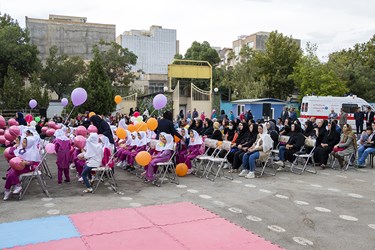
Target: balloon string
{"x":69,"y":114}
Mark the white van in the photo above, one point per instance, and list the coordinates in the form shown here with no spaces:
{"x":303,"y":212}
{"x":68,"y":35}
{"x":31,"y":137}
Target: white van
{"x":321,"y":106}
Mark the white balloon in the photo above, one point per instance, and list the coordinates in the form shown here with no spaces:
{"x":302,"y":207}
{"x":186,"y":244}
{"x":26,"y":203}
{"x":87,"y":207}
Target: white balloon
{"x":33,"y":123}
{"x":133,"y":119}
{"x":135,"y":122}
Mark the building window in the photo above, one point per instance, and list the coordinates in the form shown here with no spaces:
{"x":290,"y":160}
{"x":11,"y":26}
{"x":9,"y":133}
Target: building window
{"x":240,"y":109}
{"x":250,"y":45}
{"x":155,"y":87}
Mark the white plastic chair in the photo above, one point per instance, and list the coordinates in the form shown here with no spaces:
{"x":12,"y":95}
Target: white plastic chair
{"x":218,"y":163}
{"x":306,"y":157}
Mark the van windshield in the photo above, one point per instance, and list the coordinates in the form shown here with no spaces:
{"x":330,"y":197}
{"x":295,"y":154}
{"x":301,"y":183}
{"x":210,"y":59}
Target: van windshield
{"x":349,"y":107}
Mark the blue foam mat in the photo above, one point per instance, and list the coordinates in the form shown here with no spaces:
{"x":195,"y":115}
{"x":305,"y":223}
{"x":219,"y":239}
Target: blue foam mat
{"x":33,"y":231}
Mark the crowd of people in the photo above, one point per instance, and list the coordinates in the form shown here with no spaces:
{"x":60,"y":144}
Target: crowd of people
{"x":250,"y":141}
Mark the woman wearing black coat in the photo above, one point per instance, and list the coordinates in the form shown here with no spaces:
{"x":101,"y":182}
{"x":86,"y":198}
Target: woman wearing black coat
{"x":237,"y":158}
{"x":103,"y":127}
{"x":208,"y":128}
{"x":295,"y":142}
{"x":243,"y":137}
{"x":322,"y":151}
{"x":166,"y":125}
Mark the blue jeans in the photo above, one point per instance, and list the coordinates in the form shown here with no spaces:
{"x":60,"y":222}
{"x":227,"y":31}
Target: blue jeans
{"x":86,"y":173}
{"x":248,"y":160}
{"x":363,"y":153}
{"x":282,"y":153}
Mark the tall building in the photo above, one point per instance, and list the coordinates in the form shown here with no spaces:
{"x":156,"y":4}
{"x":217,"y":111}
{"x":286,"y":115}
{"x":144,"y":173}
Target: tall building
{"x":73,"y":36}
{"x":155,"y":48}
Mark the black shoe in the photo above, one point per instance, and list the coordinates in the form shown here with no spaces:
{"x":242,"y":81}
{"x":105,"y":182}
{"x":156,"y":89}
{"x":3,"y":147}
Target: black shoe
{"x":4,"y":178}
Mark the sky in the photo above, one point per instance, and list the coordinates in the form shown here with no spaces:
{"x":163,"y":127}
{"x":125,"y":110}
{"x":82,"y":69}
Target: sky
{"x":331,"y":24}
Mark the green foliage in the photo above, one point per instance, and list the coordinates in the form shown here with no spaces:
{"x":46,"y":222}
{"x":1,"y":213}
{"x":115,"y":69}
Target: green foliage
{"x":356,"y":66}
{"x":276,"y":64}
{"x":61,"y":72}
{"x":35,"y":91}
{"x":13,"y":92}
{"x":202,"y":52}
{"x":98,"y":86}
{"x":15,"y":49}
{"x":117,"y":62}
{"x":312,"y":76}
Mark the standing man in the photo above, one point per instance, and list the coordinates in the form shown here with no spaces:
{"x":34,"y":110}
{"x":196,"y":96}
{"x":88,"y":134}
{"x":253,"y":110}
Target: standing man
{"x":195,"y":113}
{"x":359,"y":116}
{"x":343,"y":118}
{"x":332,"y":116}
{"x":285,"y":114}
{"x":293,"y":114}
{"x":369,"y":117}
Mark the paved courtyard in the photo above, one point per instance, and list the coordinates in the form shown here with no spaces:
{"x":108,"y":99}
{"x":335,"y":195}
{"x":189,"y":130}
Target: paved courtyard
{"x":329,"y":210}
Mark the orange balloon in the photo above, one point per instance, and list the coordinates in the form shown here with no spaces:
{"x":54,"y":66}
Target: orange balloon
{"x":181,"y":169}
{"x":91,"y":114}
{"x":176,"y":139}
{"x":152,"y":124}
{"x":118,"y":99}
{"x":131,"y":128}
{"x":143,"y":158}
{"x":142,"y":126}
{"x":121,"y":133}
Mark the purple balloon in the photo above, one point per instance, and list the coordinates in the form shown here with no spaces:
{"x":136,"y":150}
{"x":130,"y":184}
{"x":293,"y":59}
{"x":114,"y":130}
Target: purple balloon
{"x":160,"y":101}
{"x":32,"y":103}
{"x":64,"y":102}
{"x":79,"y":96}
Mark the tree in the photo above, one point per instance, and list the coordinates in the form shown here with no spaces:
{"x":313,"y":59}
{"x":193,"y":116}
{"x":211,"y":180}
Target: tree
{"x":35,"y":91}
{"x":61,"y":72}
{"x":16,"y":50}
{"x":202,"y":52}
{"x":98,"y":86}
{"x":276,"y":64}
{"x":117,"y":62}
{"x":312,"y":76}
{"x":13,"y":92}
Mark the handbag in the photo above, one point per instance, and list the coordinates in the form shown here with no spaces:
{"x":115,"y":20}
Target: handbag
{"x":338,"y":149}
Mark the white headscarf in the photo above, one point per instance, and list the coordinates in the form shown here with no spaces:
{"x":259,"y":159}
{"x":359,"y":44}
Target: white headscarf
{"x":186,"y":132}
{"x":93,"y":147}
{"x":143,"y":140}
{"x":31,"y":152}
{"x":106,"y":143}
{"x":170,"y":142}
{"x":122,"y":124}
{"x":60,"y":134}
{"x":196,"y":140}
{"x":135,"y":140}
{"x":128,"y":138}
{"x":267,"y":141}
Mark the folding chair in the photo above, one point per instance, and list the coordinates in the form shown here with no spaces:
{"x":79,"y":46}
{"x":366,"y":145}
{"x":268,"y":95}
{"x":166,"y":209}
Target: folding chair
{"x":99,"y":175}
{"x":200,"y":167}
{"x":283,"y":139}
{"x":27,"y":178}
{"x":45,"y":168}
{"x":266,"y":163}
{"x":306,"y":157}
{"x":347,"y":158}
{"x":166,"y":170}
{"x":219,"y":163}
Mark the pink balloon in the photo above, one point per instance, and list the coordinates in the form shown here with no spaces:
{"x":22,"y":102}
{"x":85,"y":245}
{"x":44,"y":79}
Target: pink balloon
{"x":58,"y":126}
{"x":7,"y":154}
{"x":2,"y":139}
{"x":78,"y":96}
{"x":50,"y":132}
{"x":44,"y":129}
{"x":50,"y":148}
{"x":8,"y":136}
{"x":92,"y":129}
{"x":12,"y":122}
{"x":51,"y":124}
{"x":3,"y":123}
{"x":29,"y":118}
{"x":7,"y":143}
{"x":15,"y":163}
{"x":136,"y":114}
{"x":2,"y":131}
{"x":159,"y":101}
{"x":81,"y":130}
{"x":80,"y":141}
{"x":15,"y":131}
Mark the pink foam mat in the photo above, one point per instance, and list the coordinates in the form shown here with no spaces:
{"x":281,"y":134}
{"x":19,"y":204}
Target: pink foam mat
{"x":65,"y":244}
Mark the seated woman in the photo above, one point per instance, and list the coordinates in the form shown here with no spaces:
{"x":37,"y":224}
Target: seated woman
{"x":165,"y":152}
{"x":237,"y":158}
{"x":29,"y":153}
{"x":346,"y":146}
{"x":207,"y":128}
{"x":259,"y":150}
{"x":322,"y":151}
{"x":242,"y":138}
{"x":367,"y":148}
{"x":294,"y":144}
{"x":193,"y":151}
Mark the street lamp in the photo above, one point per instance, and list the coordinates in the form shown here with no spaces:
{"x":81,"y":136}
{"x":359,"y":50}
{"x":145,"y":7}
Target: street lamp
{"x":216,"y":90}
{"x":165,"y":89}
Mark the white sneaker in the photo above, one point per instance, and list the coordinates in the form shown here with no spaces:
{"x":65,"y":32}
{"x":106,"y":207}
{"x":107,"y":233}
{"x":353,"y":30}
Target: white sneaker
{"x":190,"y":171}
{"x":72,"y":166}
{"x":17,"y":189}
{"x":243,"y":173}
{"x":6,"y":195}
{"x":80,"y":179}
{"x":280,"y":163}
{"x":250,"y":175}
{"x":226,"y":166}
{"x":281,"y":168}
{"x":119,"y":164}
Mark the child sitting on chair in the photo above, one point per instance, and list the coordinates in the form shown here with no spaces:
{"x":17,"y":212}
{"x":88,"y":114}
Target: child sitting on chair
{"x":182,"y":145}
{"x":124,"y":147}
{"x":193,"y":151}
{"x":141,"y":146}
{"x":165,"y":149}
{"x":93,"y":154}
{"x":62,"y":148}
{"x":108,"y":149}
{"x":29,"y":153}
